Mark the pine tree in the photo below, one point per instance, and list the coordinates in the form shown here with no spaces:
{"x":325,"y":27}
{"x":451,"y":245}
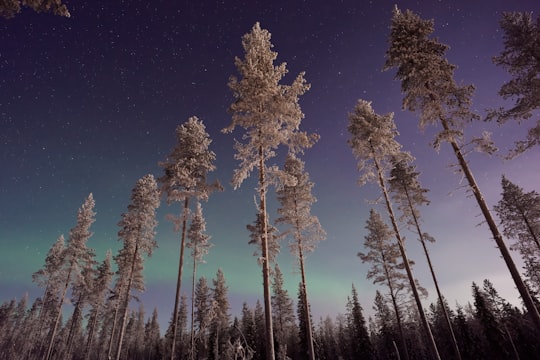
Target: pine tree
{"x":520,"y":58}
{"x":384,"y":329}
{"x":408,"y":194}
{"x":75,"y":255}
{"x":186,"y":177}
{"x":137,"y":234}
{"x":374,"y":146}
{"x":270,"y":114}
{"x":303,"y":314}
{"x":199,"y":245}
{"x":429,"y":87}
{"x":304,"y":229}
{"x":385,"y":268}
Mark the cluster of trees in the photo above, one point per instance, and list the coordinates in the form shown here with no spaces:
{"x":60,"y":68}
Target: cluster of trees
{"x":104,"y":326}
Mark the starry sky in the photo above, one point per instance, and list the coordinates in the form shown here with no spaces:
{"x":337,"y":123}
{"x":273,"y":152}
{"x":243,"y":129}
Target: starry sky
{"x":90,"y":104}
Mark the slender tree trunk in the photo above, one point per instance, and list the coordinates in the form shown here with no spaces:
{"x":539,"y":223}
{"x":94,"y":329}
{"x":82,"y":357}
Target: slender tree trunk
{"x":58,"y":315}
{"x":525,"y":295}
{"x":311,"y":350}
{"x":92,"y":327}
{"x":113,"y":330}
{"x":396,"y":310}
{"x":531,"y":230}
{"x":74,"y":320}
{"x":179,"y":279}
{"x":193,"y":309}
{"x":431,"y":340}
{"x":270,"y":355}
{"x":126,"y":303}
{"x":439,"y":294}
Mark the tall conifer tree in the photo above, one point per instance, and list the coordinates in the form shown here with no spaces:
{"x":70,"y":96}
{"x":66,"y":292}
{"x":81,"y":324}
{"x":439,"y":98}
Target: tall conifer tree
{"x":427,"y":81}
{"x":185,"y":178}
{"x":270,"y":114}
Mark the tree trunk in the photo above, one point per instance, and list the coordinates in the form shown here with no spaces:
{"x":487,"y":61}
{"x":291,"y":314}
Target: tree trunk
{"x":58,"y":315}
{"x":179,"y":279}
{"x":311,"y":350}
{"x":126,"y":303}
{"x":525,"y":296}
{"x":431,"y":340}
{"x":193,"y":309}
{"x":270,"y":355}
{"x":92,"y":327}
{"x":439,"y":294}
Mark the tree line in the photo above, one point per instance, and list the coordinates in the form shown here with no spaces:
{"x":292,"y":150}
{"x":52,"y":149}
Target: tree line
{"x":104,"y":324}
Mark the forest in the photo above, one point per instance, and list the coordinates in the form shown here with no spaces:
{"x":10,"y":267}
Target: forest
{"x":90,"y":309}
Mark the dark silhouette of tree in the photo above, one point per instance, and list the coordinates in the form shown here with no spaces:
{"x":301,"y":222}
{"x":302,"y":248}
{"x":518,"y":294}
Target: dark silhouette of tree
{"x":521,"y":59}
{"x":359,"y":338}
{"x":284,"y":317}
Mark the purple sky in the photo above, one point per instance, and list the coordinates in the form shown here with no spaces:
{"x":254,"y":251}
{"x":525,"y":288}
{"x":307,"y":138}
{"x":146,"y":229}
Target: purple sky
{"x":90,"y":104}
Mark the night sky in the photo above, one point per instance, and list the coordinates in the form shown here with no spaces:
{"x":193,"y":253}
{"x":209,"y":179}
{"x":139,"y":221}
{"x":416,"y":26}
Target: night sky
{"x":90,"y":104}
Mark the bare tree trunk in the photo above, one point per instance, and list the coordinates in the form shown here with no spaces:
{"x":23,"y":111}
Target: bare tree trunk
{"x":439,"y":294}
{"x":311,"y":350}
{"x":431,"y":340}
{"x":525,"y":295}
{"x":270,"y":355}
{"x":92,"y":327}
{"x":126,"y":303}
{"x":113,"y":330}
{"x":179,"y":279}
{"x":397,"y":312}
{"x":193,"y":309}
{"x":58,"y":315}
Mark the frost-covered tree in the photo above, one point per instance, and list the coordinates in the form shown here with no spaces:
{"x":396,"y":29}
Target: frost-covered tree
{"x":519,"y":214}
{"x":50,"y":278}
{"x":427,"y":81}
{"x":270,"y":115}
{"x":199,"y":245}
{"x":374,"y":146}
{"x":152,"y":338}
{"x":185,"y":178}
{"x":303,"y":228}
{"x":75,"y":255}
{"x":521,"y":59}
{"x":408,"y":194}
{"x":101,"y":283}
{"x":383,"y":254}
{"x":9,"y":8}
{"x":204,"y":314}
{"x":137,"y":232}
